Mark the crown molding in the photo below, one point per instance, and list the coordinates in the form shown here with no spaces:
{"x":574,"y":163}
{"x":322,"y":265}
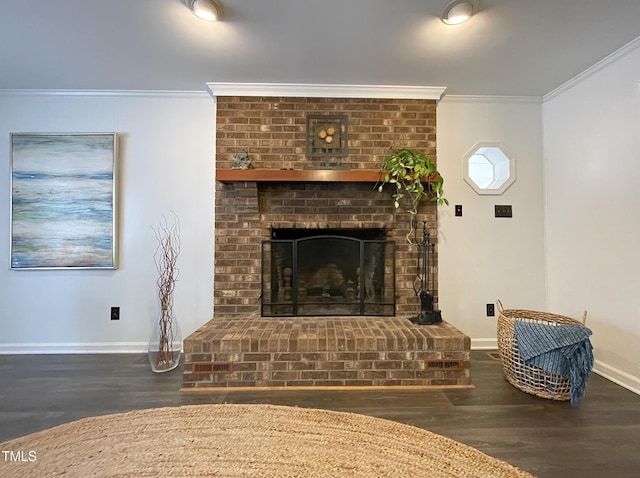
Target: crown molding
{"x":112,"y":93}
{"x":326,"y":90}
{"x":619,"y":53}
{"x":492,"y":99}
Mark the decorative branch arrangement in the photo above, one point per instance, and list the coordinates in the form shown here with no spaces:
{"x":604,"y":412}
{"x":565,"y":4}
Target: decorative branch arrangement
{"x":165,"y":257}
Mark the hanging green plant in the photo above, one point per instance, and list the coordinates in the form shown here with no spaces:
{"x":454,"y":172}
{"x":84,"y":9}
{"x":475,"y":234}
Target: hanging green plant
{"x":408,"y":170}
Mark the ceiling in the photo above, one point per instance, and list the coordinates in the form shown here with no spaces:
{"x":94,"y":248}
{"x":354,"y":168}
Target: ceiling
{"x":511,"y":47}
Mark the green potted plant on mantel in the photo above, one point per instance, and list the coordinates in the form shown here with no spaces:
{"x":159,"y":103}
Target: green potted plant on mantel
{"x":407,"y":169}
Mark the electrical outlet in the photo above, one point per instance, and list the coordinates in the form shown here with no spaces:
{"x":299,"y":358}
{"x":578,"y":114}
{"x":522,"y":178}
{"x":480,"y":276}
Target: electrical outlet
{"x":491,"y":310}
{"x":115,"y":313}
{"x":458,"y":209}
{"x":504,"y":210}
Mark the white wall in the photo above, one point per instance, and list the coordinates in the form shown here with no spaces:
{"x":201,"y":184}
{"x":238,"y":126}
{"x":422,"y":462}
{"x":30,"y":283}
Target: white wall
{"x":483,"y":258}
{"x":592,"y":177}
{"x":166,"y":158}
{"x":166,"y":163}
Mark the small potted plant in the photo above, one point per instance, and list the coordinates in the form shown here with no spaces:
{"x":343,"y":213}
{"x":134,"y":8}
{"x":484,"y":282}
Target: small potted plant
{"x":408,"y":170}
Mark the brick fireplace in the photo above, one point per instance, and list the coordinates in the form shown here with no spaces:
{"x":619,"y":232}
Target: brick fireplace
{"x":288,"y":190}
{"x":272,"y":130}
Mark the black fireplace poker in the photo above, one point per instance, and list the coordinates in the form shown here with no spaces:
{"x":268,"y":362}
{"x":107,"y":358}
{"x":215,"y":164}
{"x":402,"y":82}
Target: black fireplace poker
{"x":428,"y":315}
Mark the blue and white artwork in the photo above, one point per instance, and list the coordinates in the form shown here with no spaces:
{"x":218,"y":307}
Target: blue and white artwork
{"x":63,"y":201}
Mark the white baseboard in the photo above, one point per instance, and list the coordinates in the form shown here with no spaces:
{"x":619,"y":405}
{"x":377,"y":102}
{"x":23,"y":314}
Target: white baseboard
{"x":484,"y":344}
{"x":617,"y":376}
{"x":75,"y":348}
{"x":613,"y":374}
{"x":137,"y":347}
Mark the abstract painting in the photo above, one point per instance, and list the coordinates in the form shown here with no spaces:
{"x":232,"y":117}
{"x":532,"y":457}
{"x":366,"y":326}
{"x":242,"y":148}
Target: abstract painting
{"x":63,"y":201}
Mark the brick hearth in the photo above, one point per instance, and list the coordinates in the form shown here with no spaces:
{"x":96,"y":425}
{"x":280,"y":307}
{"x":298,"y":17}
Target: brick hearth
{"x":325,"y":352}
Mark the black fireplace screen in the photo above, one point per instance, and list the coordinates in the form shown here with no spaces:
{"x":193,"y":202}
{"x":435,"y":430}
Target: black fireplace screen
{"x":340,"y":273}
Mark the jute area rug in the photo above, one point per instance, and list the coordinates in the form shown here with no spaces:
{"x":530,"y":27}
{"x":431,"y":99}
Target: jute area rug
{"x":244,"y":441}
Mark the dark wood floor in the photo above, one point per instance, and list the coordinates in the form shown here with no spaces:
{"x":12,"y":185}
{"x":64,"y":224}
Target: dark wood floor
{"x":598,"y":438}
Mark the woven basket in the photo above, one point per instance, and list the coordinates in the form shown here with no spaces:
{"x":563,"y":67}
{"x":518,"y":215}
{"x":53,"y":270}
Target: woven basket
{"x":524,"y":377}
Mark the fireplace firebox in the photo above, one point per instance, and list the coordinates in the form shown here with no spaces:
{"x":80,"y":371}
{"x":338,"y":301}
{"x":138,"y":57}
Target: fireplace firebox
{"x":314,"y":272}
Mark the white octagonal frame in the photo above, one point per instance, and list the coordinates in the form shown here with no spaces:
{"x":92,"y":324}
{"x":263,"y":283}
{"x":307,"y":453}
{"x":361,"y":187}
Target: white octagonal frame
{"x":496,"y":154}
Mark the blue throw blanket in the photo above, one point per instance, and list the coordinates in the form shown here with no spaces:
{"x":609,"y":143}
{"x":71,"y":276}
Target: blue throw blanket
{"x":563,"y":349}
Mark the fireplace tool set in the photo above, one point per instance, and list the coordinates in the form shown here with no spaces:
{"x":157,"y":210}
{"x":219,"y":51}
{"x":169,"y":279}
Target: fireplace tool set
{"x":428,"y":315}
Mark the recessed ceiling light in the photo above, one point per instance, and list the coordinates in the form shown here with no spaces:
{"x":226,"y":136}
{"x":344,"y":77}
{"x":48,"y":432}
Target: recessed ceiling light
{"x":207,"y":10}
{"x":459,"y":11}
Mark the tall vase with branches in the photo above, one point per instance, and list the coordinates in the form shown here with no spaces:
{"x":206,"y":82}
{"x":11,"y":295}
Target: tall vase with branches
{"x":166,"y":342}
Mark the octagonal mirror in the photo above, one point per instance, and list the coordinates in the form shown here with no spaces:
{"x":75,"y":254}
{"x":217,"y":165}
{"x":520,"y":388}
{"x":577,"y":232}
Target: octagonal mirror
{"x":489,"y":168}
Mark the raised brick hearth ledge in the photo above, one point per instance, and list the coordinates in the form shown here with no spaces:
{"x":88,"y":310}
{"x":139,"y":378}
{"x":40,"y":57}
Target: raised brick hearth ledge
{"x":325,"y":352}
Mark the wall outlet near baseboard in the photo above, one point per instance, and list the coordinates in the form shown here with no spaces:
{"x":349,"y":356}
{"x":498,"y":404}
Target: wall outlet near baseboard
{"x":491,"y":310}
{"x":115,"y":313}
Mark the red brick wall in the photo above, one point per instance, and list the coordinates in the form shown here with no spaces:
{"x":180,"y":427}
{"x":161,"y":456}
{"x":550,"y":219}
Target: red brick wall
{"x":273,"y":132}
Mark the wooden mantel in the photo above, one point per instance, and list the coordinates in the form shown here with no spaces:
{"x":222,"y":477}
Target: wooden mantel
{"x":299,"y":175}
